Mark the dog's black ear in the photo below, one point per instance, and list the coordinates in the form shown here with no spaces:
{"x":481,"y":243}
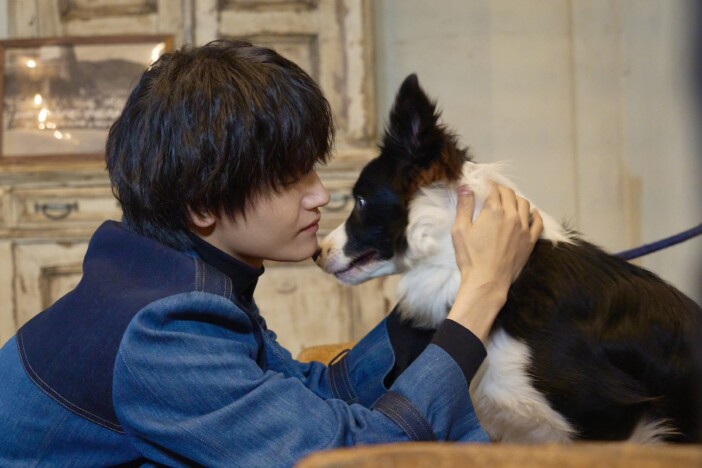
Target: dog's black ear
{"x":413,"y":112}
{"x":427,"y":150}
{"x":413,"y":127}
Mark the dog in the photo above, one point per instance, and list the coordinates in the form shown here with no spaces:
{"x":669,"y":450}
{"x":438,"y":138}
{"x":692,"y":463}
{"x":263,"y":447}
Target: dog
{"x":587,"y":347}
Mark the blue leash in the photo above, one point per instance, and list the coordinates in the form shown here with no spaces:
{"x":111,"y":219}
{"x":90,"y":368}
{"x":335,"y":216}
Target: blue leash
{"x":661,"y":244}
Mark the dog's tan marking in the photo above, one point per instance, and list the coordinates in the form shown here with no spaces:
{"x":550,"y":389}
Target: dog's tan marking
{"x":447,"y":167}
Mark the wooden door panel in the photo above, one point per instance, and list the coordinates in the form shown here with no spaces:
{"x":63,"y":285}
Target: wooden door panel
{"x":44,"y":273}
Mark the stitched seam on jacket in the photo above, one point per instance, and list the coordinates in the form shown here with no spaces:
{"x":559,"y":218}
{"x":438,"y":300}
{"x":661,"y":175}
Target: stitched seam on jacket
{"x":335,"y":372}
{"x":123,"y":355}
{"x":46,"y":444}
{"x":407,"y":427}
{"x":417,"y":417}
{"x":397,"y":404}
{"x":347,"y":378}
{"x":332,"y":381}
{"x":54,"y":395}
{"x":201,"y":280}
{"x":338,"y":380}
{"x":228,"y":288}
{"x":198,"y":274}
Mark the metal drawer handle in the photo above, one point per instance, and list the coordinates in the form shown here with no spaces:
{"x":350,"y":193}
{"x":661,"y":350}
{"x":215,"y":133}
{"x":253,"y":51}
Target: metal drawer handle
{"x":56,"y":211}
{"x":338,"y":201}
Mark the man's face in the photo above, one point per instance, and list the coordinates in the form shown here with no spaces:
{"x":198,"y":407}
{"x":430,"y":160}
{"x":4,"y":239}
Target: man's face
{"x":281,"y":227}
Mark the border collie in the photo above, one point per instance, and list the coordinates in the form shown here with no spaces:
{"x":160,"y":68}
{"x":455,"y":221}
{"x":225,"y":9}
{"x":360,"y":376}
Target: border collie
{"x":587,"y":346}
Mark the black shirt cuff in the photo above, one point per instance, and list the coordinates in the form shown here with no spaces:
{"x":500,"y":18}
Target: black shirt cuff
{"x":462,"y":345}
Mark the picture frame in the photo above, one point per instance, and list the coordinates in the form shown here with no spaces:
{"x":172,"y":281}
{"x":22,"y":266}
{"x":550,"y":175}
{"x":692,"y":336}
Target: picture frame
{"x":59,"y":96}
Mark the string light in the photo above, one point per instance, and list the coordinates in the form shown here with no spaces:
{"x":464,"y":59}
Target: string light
{"x":43,"y":114}
{"x":157,"y":51}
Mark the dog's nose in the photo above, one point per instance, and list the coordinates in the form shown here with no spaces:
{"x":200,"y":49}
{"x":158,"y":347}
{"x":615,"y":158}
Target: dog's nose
{"x":317,"y":254}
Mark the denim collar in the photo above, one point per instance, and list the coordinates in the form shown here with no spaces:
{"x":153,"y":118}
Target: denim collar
{"x":244,"y":277}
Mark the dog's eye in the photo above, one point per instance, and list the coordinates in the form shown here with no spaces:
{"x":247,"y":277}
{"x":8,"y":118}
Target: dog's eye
{"x":360,"y":202}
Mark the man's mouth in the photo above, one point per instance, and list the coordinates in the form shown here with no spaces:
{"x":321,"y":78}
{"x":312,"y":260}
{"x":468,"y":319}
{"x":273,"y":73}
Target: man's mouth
{"x":311,"y":227}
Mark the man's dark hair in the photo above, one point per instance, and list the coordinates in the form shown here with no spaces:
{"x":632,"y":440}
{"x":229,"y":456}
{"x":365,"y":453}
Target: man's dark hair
{"x":212,"y":128}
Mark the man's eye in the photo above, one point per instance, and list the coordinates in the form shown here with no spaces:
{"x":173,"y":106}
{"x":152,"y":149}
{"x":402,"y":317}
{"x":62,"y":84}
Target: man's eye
{"x":291,"y":180}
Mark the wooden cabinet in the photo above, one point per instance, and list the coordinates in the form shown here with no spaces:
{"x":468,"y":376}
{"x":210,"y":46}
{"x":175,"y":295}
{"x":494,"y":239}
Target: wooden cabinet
{"x":46,"y":219}
{"x":50,"y":208}
{"x":44,"y":272}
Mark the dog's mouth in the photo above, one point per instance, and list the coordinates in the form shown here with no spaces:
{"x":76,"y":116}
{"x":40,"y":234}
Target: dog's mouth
{"x":363,"y":259}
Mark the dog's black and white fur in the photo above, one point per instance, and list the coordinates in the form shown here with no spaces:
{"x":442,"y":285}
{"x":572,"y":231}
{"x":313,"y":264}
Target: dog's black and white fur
{"x":588,"y":346}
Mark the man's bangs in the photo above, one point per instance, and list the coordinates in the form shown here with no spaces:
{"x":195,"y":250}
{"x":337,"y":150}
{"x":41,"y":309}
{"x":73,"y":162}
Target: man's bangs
{"x":307,"y":144}
{"x":299,"y":161}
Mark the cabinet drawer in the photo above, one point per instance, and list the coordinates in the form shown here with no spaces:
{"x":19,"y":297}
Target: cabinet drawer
{"x":91,"y":205}
{"x":64,"y":206}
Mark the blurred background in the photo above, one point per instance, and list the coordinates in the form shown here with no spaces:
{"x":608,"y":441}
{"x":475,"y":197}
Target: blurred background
{"x":595,"y":104}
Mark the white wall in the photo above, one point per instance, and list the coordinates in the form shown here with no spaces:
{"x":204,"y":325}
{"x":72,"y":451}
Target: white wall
{"x":3,"y":19}
{"x":662,"y":127}
{"x":591,"y":100}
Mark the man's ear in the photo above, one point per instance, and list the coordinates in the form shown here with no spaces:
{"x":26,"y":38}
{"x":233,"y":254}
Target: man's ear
{"x":204,"y":221}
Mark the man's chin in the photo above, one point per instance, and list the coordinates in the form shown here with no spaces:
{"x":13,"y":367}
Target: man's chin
{"x":299,"y":255}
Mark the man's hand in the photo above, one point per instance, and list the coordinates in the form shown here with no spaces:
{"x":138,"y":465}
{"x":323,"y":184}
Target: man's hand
{"x":490,"y":252}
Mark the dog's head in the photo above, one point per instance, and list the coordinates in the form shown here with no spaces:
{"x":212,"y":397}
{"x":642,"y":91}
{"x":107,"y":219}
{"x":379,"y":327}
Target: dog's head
{"x":416,"y":152}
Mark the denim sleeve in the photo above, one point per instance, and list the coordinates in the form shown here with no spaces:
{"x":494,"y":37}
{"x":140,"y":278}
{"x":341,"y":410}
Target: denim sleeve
{"x":359,"y":375}
{"x":187,"y":390}
{"x":406,"y":343}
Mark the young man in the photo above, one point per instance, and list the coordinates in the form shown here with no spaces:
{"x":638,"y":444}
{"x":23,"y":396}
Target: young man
{"x":160,"y":355}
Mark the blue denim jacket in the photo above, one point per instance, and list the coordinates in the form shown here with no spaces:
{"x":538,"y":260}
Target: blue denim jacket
{"x":149,"y":360}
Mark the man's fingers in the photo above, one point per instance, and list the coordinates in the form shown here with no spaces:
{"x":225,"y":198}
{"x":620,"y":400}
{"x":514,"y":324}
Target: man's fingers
{"x":524,"y":210}
{"x":464,"y":219}
{"x":537,"y":225}
{"x":493,"y":198}
{"x":465,"y":205}
{"x":508,"y":198}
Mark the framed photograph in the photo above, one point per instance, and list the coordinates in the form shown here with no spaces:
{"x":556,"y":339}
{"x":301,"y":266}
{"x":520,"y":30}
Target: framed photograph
{"x":60,"y":96}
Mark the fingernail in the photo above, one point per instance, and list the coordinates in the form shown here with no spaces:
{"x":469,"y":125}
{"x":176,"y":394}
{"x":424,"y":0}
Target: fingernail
{"x":464,"y":190}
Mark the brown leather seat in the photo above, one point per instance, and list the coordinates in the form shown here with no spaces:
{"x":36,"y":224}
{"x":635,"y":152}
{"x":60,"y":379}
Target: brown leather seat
{"x":323,"y":353}
{"x":444,"y":455}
